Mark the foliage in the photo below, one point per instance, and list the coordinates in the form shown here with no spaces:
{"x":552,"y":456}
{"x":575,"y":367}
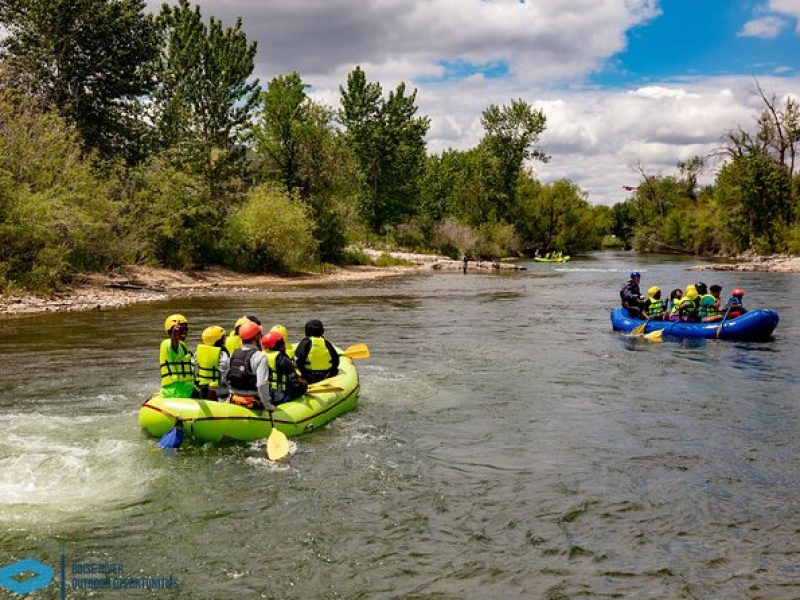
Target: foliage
{"x":169,"y":215}
{"x":511,"y":133}
{"x":203,"y":101}
{"x":56,"y":213}
{"x":89,"y":59}
{"x":388,"y":141}
{"x":387,"y":260}
{"x":270,"y":231}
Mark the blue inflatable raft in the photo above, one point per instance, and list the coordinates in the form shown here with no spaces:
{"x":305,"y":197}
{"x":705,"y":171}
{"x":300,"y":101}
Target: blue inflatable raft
{"x":753,"y":325}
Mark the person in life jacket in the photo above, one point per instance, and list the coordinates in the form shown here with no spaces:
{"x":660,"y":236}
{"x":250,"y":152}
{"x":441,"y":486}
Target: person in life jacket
{"x":734,"y":306}
{"x":709,"y":305}
{"x":654,"y":307}
{"x":630,"y":296}
{"x":234,"y":341}
{"x":674,"y":302}
{"x":285,"y":335}
{"x":315,"y":356}
{"x":687,"y":309}
{"x":175,"y":360}
{"x":285,"y":383}
{"x":248,"y":373}
{"x":211,"y":364}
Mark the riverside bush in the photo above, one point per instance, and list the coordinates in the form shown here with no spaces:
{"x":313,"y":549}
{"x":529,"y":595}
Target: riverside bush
{"x":271,"y":231}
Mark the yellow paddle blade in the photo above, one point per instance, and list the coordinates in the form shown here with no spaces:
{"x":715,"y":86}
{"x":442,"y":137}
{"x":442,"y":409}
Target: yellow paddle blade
{"x":277,"y":445}
{"x":655,"y":336}
{"x":357,"y":351}
{"x":639,"y":329}
{"x":321,"y":388}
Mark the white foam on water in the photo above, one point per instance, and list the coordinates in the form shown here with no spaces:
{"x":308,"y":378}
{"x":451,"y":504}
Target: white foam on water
{"x":54,"y":467}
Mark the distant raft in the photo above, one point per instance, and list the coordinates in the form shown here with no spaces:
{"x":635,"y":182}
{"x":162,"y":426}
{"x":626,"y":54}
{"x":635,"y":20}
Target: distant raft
{"x":754,"y":325}
{"x":211,"y":421}
{"x":558,"y":259}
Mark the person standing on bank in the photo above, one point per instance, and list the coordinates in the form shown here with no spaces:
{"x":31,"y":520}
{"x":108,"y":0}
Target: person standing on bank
{"x":248,"y":374}
{"x":175,"y":360}
{"x":315,"y":356}
{"x":464,"y":261}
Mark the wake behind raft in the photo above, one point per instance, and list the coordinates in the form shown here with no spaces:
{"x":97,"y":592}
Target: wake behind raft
{"x":217,"y":422}
{"x":754,"y":325}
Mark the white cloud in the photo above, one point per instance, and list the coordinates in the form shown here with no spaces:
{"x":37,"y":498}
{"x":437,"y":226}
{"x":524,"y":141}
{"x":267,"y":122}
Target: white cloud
{"x":764,"y":27}
{"x":549,"y":47}
{"x":787,"y":7}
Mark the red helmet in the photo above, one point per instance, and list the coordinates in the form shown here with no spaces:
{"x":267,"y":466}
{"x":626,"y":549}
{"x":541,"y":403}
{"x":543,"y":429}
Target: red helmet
{"x":249,"y":331}
{"x":738,"y":292}
{"x":272,"y":340}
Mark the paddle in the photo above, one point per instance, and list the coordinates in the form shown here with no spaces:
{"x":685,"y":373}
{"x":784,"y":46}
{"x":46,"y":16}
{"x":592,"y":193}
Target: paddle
{"x":639,"y":329}
{"x":323,"y":388}
{"x":721,"y":323}
{"x":277,"y":444}
{"x":654,"y":336}
{"x":357,"y":351}
{"x":174,"y":437}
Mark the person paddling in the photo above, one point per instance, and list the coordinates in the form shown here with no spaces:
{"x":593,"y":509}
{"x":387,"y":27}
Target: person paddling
{"x":654,"y":306}
{"x":211,"y":364}
{"x":631,"y":297}
{"x":248,"y":375}
{"x":285,"y":383}
{"x":316,"y":357}
{"x":175,"y":360}
{"x":735,"y":304}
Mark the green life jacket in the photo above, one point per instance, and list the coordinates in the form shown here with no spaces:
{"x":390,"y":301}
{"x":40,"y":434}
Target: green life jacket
{"x":708,"y":306}
{"x":656,"y":307}
{"x":177,"y":375}
{"x":318,"y":359}
{"x":232,"y":342}
{"x":208,"y":365}
{"x":687,"y":307}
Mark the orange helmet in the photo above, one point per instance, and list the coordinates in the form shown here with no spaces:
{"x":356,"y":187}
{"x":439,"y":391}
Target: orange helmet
{"x":738,"y":292}
{"x":249,"y":331}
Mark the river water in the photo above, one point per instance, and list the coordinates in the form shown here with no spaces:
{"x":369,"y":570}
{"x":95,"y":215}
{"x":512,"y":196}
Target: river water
{"x":507,"y":445}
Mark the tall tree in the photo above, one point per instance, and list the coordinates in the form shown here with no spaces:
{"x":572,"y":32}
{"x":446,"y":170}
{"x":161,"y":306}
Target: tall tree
{"x":389,"y":143}
{"x":88,"y":58}
{"x":511,"y":134}
{"x":203,"y":101}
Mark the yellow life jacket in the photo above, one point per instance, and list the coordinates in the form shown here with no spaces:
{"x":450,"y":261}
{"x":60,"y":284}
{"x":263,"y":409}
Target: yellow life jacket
{"x":708,"y":306}
{"x":655,"y":307}
{"x":318,"y":359}
{"x":175,"y":367}
{"x":232,"y":342}
{"x":208,"y":365}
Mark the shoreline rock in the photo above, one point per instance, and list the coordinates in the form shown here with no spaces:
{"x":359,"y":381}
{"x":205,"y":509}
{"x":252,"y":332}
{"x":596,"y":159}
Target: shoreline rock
{"x":771,"y":264}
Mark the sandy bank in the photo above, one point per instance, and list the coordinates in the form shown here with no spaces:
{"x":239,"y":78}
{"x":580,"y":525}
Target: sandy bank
{"x":148,"y":284}
{"x":775,"y":264}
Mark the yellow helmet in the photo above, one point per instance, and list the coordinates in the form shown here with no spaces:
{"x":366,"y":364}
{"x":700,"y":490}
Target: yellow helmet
{"x":174,"y":320}
{"x":239,"y":322}
{"x":283,"y":331}
{"x":691,"y":292}
{"x":212,"y":334}
{"x":653,"y":291}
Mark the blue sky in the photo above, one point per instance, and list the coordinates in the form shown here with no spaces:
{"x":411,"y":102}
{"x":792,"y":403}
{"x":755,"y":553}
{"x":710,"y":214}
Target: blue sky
{"x":705,"y":38}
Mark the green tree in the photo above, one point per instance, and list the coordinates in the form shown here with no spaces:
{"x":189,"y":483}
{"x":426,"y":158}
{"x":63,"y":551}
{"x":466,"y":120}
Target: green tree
{"x":511,"y":134}
{"x":388,"y":141}
{"x":753,"y":195}
{"x":204,"y":99}
{"x":89,"y":59}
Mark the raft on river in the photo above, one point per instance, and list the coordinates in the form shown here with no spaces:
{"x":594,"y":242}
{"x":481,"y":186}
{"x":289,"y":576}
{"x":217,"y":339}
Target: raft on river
{"x":211,"y":421}
{"x":754,"y":325}
{"x":556,"y":259}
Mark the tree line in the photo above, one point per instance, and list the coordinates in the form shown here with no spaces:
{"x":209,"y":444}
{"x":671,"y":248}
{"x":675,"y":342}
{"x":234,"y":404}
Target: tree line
{"x":129,"y":137}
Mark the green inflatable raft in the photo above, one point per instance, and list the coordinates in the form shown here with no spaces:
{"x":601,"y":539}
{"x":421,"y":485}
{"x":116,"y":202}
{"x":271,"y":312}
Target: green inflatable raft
{"x":210,"y":421}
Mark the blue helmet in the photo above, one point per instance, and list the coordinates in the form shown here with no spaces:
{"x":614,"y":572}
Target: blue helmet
{"x":636,"y":275}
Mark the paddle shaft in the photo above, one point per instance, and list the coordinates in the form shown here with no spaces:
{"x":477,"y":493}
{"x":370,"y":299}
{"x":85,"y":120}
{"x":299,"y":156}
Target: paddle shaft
{"x":721,"y":323}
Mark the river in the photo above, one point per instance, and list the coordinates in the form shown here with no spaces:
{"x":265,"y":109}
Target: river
{"x":507,"y":444}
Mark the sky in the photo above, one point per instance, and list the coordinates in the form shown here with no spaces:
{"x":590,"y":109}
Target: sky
{"x":621,"y":82}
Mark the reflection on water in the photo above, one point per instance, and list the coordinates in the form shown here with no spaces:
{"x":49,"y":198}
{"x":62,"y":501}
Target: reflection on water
{"x":508,"y":443}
